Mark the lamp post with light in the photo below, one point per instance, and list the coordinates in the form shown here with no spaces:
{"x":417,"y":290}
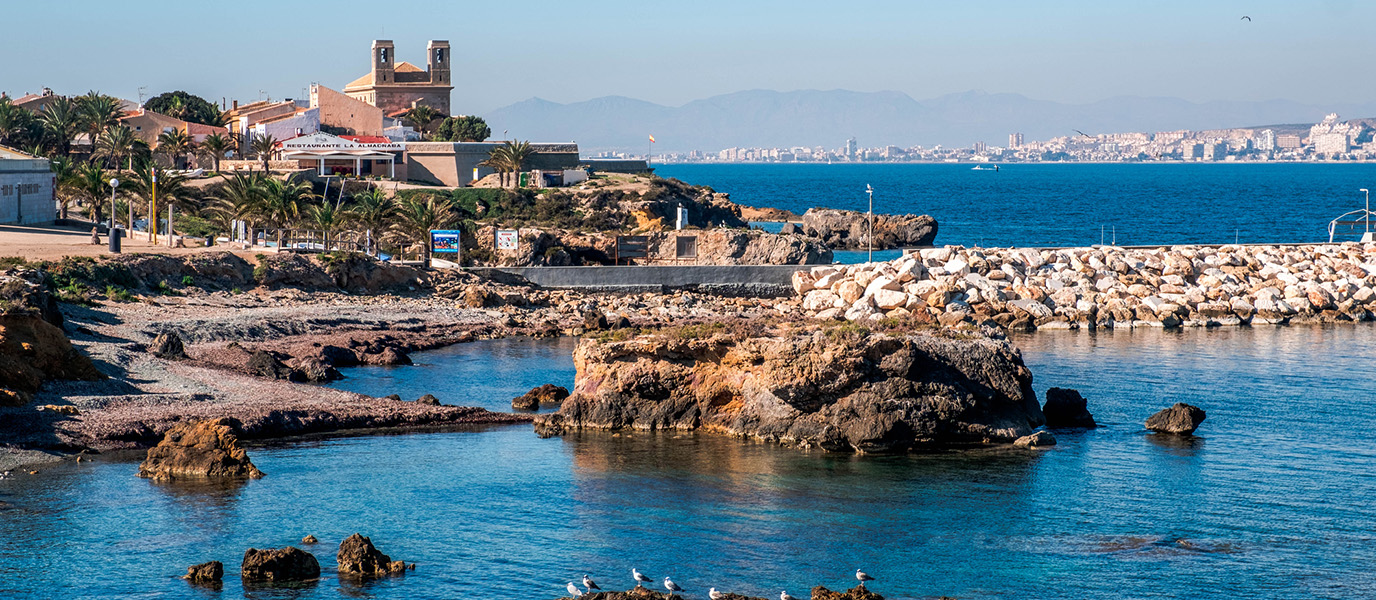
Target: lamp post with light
{"x":1368,"y":209}
{"x":870,"y":190}
{"x":114,"y":184}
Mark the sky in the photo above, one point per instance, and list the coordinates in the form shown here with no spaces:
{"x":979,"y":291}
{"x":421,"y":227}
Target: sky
{"x":1312,"y":51}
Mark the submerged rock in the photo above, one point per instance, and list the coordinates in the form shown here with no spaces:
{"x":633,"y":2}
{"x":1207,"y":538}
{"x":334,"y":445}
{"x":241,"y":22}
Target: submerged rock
{"x":545,"y":395}
{"x":359,"y":558}
{"x":843,"y":390}
{"x":1179,"y":419}
{"x":211,"y":572}
{"x":280,"y":564}
{"x":198,"y":449}
{"x":168,"y":345}
{"x":1067,"y":408}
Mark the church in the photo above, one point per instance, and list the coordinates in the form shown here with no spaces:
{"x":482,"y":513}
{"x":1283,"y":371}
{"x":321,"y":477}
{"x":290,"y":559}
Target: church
{"x":395,"y":86}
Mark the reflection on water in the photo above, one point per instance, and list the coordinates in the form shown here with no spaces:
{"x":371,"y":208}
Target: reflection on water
{"x":1269,"y":500}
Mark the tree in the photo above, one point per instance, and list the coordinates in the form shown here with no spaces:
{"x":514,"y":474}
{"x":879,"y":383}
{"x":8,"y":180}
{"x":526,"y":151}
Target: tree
{"x":510,"y":157}
{"x":462,"y":129}
{"x":240,"y":198}
{"x":282,"y":201}
{"x":416,"y":218}
{"x":263,"y":147}
{"x":61,"y":122}
{"x":66,"y":184}
{"x":171,"y":188}
{"x":92,"y":184}
{"x":185,"y":106}
{"x":421,"y":116}
{"x":98,"y":112}
{"x":216,"y":146}
{"x":175,"y":145}
{"x":19,"y":128}
{"x":370,"y":210}
{"x":119,"y":143}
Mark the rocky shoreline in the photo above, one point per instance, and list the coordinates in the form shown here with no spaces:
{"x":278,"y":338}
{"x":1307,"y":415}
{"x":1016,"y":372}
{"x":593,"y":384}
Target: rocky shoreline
{"x":1103,"y":287}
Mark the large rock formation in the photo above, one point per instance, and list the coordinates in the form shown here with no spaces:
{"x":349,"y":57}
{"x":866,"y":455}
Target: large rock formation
{"x":844,"y":389}
{"x":359,"y":558}
{"x":279,"y":564}
{"x":199,"y":449}
{"x":850,"y":230}
{"x":1179,"y":419}
{"x":545,"y":395}
{"x":33,"y":347}
{"x":1067,"y":408}
{"x":741,"y":247}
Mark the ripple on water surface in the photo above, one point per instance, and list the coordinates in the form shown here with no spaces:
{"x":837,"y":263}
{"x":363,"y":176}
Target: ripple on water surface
{"x":1270,"y":500}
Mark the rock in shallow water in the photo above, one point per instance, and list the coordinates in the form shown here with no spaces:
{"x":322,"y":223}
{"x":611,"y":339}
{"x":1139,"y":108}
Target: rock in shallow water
{"x":1067,"y":408}
{"x":199,"y":449}
{"x":281,"y":564}
{"x":211,"y":572}
{"x":1179,"y":419}
{"x":1036,"y":440}
{"x":545,"y":395}
{"x":359,"y":558}
{"x":843,"y":390}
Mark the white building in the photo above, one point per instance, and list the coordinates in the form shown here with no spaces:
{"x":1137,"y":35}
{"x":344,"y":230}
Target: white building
{"x":1266,"y":141}
{"x":26,"y":189}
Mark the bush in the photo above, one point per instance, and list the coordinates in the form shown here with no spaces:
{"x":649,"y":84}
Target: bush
{"x":116,"y":293}
{"x":188,"y":281}
{"x":197,"y":227}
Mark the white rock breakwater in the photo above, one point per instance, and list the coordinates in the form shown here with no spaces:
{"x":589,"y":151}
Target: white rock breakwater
{"x":1102,"y":287}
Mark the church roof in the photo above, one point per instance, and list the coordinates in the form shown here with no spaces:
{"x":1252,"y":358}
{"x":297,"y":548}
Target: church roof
{"x":365,"y":80}
{"x":406,"y":67}
{"x":405,"y":72}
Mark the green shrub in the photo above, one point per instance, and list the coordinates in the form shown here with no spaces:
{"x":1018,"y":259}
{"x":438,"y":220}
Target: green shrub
{"x":188,"y":281}
{"x":9,"y":262}
{"x":116,"y":293}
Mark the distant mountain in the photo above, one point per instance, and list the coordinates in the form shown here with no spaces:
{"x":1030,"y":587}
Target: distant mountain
{"x":763,"y":118}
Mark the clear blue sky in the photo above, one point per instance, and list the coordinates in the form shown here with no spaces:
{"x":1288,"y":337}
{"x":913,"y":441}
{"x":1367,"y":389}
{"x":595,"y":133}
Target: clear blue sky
{"x":1315,"y":51}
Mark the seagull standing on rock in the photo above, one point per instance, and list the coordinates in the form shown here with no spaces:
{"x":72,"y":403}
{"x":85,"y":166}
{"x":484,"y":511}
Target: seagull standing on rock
{"x":671,"y":586}
{"x":714,"y":594}
{"x":639,"y":577}
{"x":590,"y":584}
{"x":784,"y":596}
{"x":573,"y":589}
{"x":863,"y":577}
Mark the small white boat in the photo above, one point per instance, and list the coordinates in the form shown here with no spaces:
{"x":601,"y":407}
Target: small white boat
{"x":985,"y":168}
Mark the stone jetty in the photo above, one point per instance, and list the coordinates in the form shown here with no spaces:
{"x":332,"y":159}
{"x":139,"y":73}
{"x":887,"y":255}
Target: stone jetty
{"x":1102,"y":287}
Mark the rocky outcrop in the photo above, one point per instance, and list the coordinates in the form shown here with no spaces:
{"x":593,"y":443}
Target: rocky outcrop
{"x":33,"y":347}
{"x":279,"y":565}
{"x":309,"y":539}
{"x":428,"y":400}
{"x":168,"y":345}
{"x":643,"y":593}
{"x":359,"y":558}
{"x":856,"y":593}
{"x":1179,"y":419}
{"x":741,"y":247}
{"x":545,"y":395}
{"x":1067,"y":408}
{"x":849,"y":230}
{"x":845,"y":389}
{"x":210,"y":573}
{"x":1036,"y":440}
{"x":197,"y":450}
{"x":1107,"y":287}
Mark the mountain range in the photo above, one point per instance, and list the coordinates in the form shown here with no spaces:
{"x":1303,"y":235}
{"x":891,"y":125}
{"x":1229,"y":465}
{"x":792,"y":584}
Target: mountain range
{"x":765,"y":118}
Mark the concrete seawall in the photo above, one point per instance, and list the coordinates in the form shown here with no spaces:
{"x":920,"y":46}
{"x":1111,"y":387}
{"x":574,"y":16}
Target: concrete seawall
{"x":1103,"y":287}
{"x":729,"y":280}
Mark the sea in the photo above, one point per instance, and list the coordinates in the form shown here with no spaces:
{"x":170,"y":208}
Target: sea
{"x":1271,"y":499}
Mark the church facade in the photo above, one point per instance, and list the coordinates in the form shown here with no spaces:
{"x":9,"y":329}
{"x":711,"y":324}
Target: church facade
{"x":398,"y":86}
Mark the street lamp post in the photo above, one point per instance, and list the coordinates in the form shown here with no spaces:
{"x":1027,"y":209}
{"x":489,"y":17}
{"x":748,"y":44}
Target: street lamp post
{"x":1367,"y":216}
{"x":114,"y":183}
{"x":870,"y":238}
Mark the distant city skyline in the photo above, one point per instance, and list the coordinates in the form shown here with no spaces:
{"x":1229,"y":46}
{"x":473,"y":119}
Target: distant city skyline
{"x":1063,"y":51}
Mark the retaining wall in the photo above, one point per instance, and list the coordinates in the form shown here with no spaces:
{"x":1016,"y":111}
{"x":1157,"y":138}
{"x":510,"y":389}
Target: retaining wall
{"x":732,"y":280}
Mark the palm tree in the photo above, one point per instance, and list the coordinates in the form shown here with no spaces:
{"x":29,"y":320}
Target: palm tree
{"x":171,"y":188}
{"x":61,"y":122}
{"x":17,"y":125}
{"x":175,"y":144}
{"x":215,"y":146}
{"x":119,"y":143}
{"x":499,"y":160}
{"x":510,"y":157}
{"x":98,"y":112}
{"x":65,"y":182}
{"x":326,"y":218}
{"x":263,"y":146}
{"x":415,"y":219}
{"x":421,"y":116}
{"x":240,"y":199}
{"x":281,"y":203}
{"x":371,"y":211}
{"x":91,"y":183}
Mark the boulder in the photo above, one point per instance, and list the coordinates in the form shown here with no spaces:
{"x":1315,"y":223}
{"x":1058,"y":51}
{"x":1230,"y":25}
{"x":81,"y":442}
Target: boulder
{"x":428,"y":400}
{"x":280,"y":564}
{"x":849,"y":230}
{"x":852,"y":392}
{"x":1067,"y":408}
{"x":594,"y":320}
{"x":33,"y":346}
{"x":1036,"y":440}
{"x":309,"y":539}
{"x":168,"y":345}
{"x":265,"y":364}
{"x":199,"y":449}
{"x":205,"y":573}
{"x":1179,"y":419}
{"x":545,"y":395}
{"x":856,"y":593}
{"x":358,"y":558}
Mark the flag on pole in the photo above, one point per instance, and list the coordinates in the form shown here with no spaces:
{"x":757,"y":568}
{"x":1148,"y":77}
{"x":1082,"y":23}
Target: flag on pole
{"x":652,"y":138}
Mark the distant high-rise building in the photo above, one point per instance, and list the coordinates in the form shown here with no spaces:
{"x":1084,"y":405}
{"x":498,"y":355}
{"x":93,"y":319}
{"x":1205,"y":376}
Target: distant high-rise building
{"x":1215,"y":150}
{"x":1267,"y":140}
{"x":979,"y":147}
{"x":1191,"y":150}
{"x":851,"y":148}
{"x":1014,"y":141}
{"x":1331,"y":143}
{"x":1288,"y":141}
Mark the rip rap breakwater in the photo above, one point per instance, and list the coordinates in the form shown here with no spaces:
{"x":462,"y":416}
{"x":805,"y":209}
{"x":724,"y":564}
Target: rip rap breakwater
{"x":1103,"y":287}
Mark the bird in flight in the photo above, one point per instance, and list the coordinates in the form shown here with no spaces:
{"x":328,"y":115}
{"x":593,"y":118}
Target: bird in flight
{"x":1246,"y":18}
{"x":1081,"y":133}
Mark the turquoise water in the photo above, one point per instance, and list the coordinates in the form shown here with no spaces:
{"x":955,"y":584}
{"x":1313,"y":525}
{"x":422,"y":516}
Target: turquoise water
{"x":1066,"y":204}
{"x":1273,"y":497}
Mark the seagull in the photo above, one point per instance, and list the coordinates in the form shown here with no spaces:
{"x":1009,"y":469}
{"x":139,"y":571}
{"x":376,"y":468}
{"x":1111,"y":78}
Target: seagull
{"x":1245,"y":17}
{"x":714,"y":594}
{"x":863,"y":577}
{"x":573,"y":589}
{"x":590,"y":584}
{"x":784,"y":596}
{"x":1082,"y":133}
{"x":671,"y":586}
{"x":639,"y":578}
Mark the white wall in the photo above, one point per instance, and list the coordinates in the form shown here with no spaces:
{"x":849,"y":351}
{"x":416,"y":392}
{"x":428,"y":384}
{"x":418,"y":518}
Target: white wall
{"x":36,"y":201}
